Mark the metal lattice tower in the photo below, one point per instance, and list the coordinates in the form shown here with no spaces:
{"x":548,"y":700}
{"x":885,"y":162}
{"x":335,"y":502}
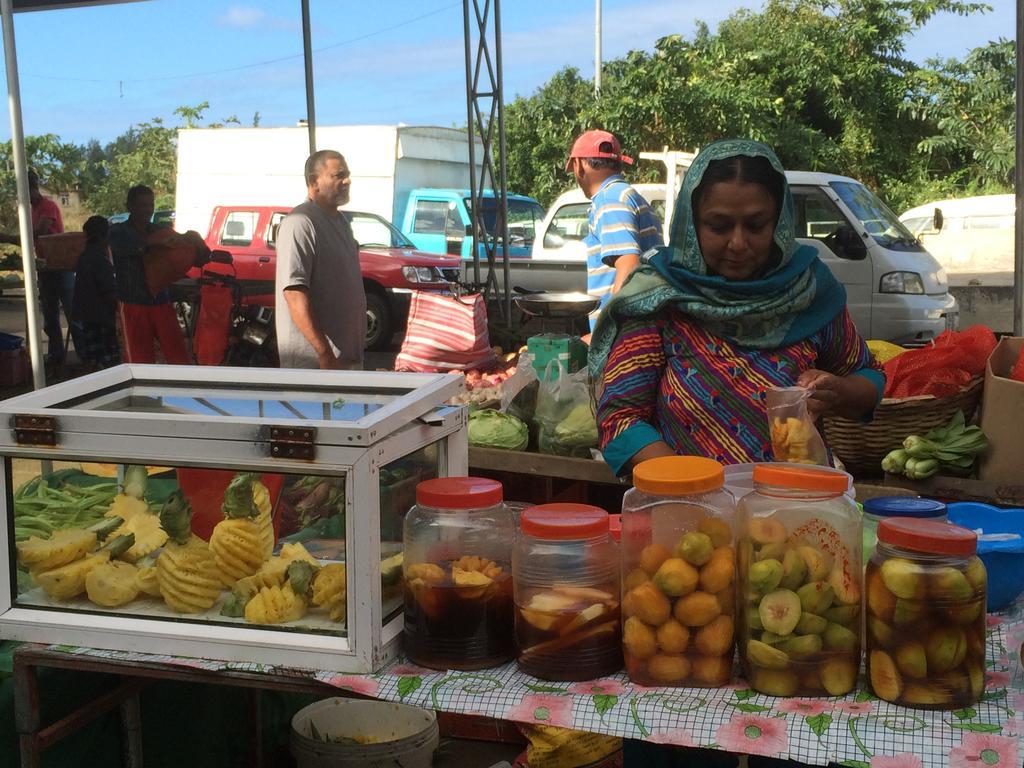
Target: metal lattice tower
{"x":485,"y":112}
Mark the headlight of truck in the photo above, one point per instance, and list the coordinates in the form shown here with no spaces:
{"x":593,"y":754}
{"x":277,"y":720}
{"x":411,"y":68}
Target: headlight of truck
{"x":901,"y":282}
{"x":419,"y":274}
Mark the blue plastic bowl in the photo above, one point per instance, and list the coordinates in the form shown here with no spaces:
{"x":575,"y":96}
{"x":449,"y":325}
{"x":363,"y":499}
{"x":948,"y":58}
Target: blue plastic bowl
{"x":1004,"y":560}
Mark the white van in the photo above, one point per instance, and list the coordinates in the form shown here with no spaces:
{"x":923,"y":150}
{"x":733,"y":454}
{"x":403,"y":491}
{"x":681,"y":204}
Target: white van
{"x":895,"y":290}
{"x":971,"y":237}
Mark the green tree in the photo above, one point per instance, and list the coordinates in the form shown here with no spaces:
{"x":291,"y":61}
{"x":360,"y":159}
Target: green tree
{"x":149,"y":160}
{"x":822,"y":81}
{"x":60,"y":166}
{"x":970,"y":105}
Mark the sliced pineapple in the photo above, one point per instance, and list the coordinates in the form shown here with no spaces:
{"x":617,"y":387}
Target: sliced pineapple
{"x":61,"y":548}
{"x":149,"y":536}
{"x":126,"y":507}
{"x":112,"y":584}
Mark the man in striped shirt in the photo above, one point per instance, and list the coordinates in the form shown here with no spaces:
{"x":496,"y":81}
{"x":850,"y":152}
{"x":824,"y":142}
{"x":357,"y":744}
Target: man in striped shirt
{"x":622,"y":225}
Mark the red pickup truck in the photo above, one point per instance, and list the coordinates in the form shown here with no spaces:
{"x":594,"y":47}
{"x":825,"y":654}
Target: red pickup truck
{"x":392,"y":267}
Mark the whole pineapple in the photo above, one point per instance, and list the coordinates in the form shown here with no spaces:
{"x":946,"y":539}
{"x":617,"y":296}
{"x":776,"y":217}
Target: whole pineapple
{"x":236,"y":542}
{"x":186,"y":571}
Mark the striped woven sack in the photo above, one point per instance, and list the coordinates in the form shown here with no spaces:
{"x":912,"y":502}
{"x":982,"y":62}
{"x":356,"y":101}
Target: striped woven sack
{"x":445,"y":333}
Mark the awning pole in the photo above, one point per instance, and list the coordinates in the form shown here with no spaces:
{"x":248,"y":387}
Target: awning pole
{"x":1018,"y":245}
{"x":28,"y":252}
{"x":307,"y":54}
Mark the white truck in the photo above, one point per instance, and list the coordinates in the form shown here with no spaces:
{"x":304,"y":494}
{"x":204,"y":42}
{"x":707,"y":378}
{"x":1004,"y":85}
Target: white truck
{"x":263,"y":166}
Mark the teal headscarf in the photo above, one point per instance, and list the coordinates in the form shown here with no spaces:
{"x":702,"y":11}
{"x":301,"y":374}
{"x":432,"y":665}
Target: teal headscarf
{"x":794,"y":300}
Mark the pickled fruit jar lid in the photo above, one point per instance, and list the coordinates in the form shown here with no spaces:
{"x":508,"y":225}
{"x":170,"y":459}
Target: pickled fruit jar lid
{"x":459,"y":493}
{"x":802,"y":478}
{"x":930,"y":536}
{"x":670,"y":475}
{"x":903,"y":506}
{"x":564,"y":521}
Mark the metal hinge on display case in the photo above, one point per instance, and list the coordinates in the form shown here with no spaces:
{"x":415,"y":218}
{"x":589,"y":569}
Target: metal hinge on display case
{"x":35,"y":430}
{"x":293,"y":442}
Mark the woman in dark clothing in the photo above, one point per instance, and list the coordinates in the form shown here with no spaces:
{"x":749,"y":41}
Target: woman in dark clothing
{"x":95,"y":303}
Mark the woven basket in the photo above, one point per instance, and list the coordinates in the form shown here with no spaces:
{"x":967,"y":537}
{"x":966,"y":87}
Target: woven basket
{"x":861,"y":447}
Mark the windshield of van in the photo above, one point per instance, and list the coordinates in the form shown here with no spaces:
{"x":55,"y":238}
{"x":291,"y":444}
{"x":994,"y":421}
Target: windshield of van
{"x":878,"y":220}
{"x":524,"y":216}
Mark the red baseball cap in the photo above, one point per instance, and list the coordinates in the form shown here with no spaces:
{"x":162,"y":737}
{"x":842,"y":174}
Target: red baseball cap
{"x":598,"y":144}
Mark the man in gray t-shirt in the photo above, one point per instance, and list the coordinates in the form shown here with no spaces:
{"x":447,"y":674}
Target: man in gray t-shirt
{"x":321,"y":305}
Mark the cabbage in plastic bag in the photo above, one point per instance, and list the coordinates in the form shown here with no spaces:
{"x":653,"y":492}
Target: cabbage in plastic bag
{"x":492,"y":429}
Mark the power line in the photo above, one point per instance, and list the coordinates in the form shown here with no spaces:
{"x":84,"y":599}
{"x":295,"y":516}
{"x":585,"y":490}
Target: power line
{"x":252,"y":65}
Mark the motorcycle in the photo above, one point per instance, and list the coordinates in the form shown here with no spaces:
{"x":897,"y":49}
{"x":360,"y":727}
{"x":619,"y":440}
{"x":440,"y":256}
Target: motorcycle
{"x":225,"y":331}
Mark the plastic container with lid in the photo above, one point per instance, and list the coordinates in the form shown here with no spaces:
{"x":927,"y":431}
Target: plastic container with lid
{"x":799,"y":580}
{"x":876,"y":510}
{"x":926,"y":615}
{"x":678,"y":566}
{"x":458,"y":575}
{"x":566,"y":576}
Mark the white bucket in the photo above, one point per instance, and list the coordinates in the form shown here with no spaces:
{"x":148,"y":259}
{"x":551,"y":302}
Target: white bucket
{"x":739,"y":479}
{"x":399,"y":736}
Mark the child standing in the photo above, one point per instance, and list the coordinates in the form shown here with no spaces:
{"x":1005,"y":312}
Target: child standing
{"x":95,"y":302}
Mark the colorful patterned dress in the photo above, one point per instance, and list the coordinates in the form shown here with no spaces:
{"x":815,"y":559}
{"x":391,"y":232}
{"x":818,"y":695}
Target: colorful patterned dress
{"x":668,"y":379}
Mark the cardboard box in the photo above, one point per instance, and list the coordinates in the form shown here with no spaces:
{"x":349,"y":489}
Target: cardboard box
{"x":1002,"y":416}
{"x":59,"y":251}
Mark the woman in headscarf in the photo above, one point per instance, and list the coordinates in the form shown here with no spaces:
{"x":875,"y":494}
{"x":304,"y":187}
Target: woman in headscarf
{"x":685,"y":352}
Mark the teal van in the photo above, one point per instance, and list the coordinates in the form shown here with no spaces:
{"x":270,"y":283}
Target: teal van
{"x":438,"y":221}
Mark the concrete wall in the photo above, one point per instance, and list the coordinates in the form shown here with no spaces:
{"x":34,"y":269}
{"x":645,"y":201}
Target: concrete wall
{"x":990,"y":305}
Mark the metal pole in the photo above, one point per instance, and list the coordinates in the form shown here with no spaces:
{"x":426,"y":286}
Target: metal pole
{"x":28,"y":252}
{"x":471,"y":129}
{"x":307,"y":54}
{"x":597,"y":47}
{"x":1018,"y":249}
{"x":503,"y":180}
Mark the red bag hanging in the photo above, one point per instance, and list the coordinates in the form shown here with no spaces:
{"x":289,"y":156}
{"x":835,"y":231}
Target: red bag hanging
{"x":211,"y":335}
{"x":445,"y":333}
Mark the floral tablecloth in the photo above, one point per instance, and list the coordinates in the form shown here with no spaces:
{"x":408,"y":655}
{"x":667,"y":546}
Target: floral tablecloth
{"x":857,"y":730}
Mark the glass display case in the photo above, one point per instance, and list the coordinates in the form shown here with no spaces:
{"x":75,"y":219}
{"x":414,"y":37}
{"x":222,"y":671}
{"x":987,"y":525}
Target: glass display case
{"x":237,"y":514}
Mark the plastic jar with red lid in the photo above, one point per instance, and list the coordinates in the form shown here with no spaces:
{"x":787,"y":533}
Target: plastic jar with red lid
{"x":678,"y":566}
{"x":799,"y":582}
{"x":566,"y":575}
{"x":925,"y":602}
{"x":458,"y":575}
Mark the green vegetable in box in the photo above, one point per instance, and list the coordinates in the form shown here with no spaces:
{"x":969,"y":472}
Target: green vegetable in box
{"x":492,"y":429}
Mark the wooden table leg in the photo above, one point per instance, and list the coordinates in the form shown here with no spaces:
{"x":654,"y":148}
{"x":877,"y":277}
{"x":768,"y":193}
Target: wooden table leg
{"x":26,"y":712}
{"x":255,"y":709}
{"x":131,"y":732}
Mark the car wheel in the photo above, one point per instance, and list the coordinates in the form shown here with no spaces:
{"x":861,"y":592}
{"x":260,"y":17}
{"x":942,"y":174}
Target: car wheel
{"x":379,"y":328}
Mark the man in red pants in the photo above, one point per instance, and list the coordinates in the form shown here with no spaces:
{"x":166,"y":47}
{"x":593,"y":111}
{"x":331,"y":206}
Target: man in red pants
{"x":144,"y":317}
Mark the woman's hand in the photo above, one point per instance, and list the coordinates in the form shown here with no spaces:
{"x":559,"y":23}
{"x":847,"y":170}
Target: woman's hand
{"x":847,"y":396}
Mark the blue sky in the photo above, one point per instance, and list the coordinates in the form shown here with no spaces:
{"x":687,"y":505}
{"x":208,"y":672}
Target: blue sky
{"x":93,"y":72}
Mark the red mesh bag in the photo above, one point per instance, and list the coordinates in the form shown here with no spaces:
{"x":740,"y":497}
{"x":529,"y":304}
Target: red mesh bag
{"x":1017,"y":372}
{"x":943,"y":368}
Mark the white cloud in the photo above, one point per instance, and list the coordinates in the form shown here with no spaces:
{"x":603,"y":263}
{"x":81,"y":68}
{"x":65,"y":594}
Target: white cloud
{"x":243,"y":16}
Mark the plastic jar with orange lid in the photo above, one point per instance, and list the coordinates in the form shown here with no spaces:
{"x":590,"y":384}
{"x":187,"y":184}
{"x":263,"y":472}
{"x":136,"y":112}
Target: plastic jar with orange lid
{"x":925,"y":603}
{"x":566,"y":577}
{"x":678,"y":566}
{"x":800,"y":573}
{"x":458,"y":575}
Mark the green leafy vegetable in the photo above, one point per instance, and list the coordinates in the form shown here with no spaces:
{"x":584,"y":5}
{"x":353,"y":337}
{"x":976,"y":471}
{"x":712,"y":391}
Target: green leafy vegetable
{"x":492,"y":429}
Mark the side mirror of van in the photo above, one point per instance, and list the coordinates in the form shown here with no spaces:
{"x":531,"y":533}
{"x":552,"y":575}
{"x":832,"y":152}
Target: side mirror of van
{"x":937,"y":220}
{"x":848,"y":244}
